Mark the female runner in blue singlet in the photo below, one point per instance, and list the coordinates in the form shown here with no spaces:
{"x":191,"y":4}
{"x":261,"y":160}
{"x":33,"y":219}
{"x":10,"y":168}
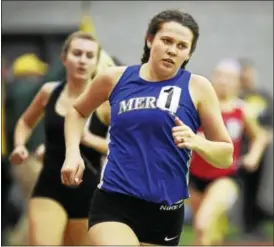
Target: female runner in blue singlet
{"x":156,"y":109}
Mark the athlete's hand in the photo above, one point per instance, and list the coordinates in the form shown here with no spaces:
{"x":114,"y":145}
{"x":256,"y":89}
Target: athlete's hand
{"x":249,"y":162}
{"x":40,"y":152}
{"x":19,"y":155}
{"x":183,"y":136}
{"x":73,"y":170}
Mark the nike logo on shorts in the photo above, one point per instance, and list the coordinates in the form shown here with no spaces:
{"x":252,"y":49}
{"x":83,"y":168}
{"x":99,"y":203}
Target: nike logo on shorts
{"x":169,"y":239}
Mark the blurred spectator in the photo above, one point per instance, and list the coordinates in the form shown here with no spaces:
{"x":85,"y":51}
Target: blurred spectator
{"x":29,"y":65}
{"x":3,"y":126}
{"x":10,"y":215}
{"x":27,"y":77}
{"x":27,"y":70}
{"x":259,"y":104}
{"x":5,"y":171}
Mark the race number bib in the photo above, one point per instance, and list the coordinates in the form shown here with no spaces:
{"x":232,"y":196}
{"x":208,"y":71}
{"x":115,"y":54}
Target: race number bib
{"x":169,"y":98}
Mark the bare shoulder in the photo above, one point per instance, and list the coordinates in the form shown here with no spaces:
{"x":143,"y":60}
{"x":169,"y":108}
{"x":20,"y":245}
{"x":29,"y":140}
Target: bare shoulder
{"x":203,"y":86}
{"x":108,"y":78}
{"x":47,"y":89}
{"x":200,"y":88}
{"x":113,"y":73}
{"x":200,"y":82}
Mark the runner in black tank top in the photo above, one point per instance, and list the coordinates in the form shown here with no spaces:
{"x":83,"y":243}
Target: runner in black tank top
{"x":58,"y":214}
{"x":49,"y":184}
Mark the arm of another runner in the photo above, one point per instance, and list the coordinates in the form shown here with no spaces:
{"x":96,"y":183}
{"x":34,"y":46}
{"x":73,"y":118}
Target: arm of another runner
{"x":96,"y":142}
{"x":28,"y":121}
{"x":98,"y":92}
{"x":33,"y":114}
{"x":258,"y":142}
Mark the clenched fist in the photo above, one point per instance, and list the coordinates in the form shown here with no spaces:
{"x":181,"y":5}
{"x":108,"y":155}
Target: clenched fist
{"x":72,"y":170}
{"x":183,"y":136}
{"x":19,"y":155}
